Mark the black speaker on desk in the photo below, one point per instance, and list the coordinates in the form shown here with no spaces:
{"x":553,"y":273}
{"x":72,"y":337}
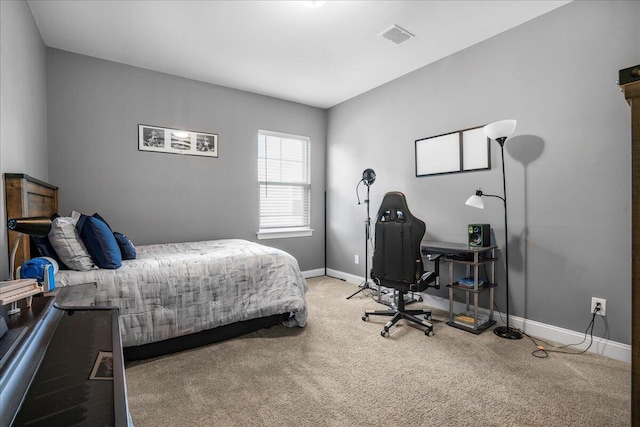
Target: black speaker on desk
{"x":479,"y":235}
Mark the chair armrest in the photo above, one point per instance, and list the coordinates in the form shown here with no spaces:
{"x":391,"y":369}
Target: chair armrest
{"x":429,"y":277}
{"x":434,"y":257}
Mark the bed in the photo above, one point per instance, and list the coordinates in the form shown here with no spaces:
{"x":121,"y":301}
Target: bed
{"x":180,"y":295}
{"x":177,"y":289}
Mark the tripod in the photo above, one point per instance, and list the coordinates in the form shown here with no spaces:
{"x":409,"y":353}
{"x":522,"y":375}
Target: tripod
{"x":367,"y":234}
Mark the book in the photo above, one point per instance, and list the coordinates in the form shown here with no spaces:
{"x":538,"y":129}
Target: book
{"x":468,"y":282}
{"x":467,"y":319}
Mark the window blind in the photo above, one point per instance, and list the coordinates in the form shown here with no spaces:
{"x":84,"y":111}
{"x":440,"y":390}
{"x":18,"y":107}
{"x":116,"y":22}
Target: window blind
{"x":284,"y":180}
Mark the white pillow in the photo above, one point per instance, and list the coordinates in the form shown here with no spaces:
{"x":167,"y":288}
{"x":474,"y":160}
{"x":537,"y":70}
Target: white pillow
{"x":66,"y":242}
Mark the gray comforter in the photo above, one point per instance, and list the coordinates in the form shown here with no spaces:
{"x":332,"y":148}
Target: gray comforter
{"x":177,"y":289}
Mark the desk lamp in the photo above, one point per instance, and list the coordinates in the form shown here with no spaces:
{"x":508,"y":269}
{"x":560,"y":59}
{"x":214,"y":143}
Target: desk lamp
{"x":35,"y":226}
{"x":500,"y":131}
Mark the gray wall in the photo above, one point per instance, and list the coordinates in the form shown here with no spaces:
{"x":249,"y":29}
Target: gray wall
{"x":568,"y":165}
{"x":23,"y":121}
{"x":94,"y":108}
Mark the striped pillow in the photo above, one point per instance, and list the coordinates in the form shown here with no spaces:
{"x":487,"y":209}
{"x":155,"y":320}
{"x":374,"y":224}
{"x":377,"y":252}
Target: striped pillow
{"x":65,"y":240}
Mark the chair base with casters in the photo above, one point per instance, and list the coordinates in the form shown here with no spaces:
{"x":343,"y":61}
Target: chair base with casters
{"x":397,"y":311}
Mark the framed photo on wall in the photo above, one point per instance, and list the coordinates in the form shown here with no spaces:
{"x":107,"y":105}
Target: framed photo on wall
{"x":177,"y":141}
{"x":460,"y":151}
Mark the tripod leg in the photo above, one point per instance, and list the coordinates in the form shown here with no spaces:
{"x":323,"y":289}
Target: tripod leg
{"x":365,"y":286}
{"x":357,"y":292}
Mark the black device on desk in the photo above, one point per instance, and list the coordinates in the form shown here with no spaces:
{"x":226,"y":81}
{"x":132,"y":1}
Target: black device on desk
{"x":64,"y":368}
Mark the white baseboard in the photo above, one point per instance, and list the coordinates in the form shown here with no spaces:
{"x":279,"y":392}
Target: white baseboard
{"x":601,"y":346}
{"x":345,"y":276}
{"x":313,"y":273}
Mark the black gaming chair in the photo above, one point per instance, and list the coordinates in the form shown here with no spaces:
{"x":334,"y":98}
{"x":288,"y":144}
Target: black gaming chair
{"x":397,"y":262}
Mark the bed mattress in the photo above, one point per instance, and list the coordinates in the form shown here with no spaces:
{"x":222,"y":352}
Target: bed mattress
{"x":176,"y":289}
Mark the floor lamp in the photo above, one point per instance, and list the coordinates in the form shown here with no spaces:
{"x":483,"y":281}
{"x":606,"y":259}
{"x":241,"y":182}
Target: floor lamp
{"x":368,"y":178}
{"x":500,"y":131}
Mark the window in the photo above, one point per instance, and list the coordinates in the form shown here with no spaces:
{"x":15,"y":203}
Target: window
{"x":284,"y":185}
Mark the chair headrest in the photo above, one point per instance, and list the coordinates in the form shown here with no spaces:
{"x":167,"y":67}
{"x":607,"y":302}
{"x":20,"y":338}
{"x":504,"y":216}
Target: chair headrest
{"x":394,"y":208}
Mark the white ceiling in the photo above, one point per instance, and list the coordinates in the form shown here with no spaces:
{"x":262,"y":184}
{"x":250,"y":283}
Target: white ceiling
{"x":284,"y":49}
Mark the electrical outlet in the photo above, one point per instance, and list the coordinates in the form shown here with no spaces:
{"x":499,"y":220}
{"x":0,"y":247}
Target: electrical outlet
{"x":603,"y":306}
{"x":356,"y":259}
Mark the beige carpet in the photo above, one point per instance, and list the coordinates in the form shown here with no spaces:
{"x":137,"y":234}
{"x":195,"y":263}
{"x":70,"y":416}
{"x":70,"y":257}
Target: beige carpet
{"x":339,"y":371}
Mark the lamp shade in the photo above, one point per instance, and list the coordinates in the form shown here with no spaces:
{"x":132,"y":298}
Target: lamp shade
{"x":36,"y":225}
{"x":501,"y":129}
{"x":476,"y":200}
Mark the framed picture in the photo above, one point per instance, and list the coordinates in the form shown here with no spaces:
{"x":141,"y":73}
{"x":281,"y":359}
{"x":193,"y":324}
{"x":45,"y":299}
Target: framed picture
{"x":103,"y":366}
{"x":460,"y":151}
{"x":176,"y":141}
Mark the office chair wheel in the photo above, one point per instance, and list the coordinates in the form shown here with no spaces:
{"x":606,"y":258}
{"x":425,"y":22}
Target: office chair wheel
{"x":429,"y":332}
{"x":384,"y":333}
{"x":365,"y":317}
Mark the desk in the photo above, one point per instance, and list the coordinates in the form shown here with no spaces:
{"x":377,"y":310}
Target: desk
{"x":472,"y":257}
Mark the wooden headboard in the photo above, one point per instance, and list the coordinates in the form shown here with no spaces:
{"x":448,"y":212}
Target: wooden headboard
{"x":26,"y":196}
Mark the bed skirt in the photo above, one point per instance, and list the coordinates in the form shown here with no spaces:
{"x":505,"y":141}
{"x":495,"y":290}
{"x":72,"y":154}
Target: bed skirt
{"x":199,"y":339}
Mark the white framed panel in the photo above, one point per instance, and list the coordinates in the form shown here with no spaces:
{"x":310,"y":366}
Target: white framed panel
{"x":439,"y":154}
{"x":475,"y":150}
{"x":460,"y":151}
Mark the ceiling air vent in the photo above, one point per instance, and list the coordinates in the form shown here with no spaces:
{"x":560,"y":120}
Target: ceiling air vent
{"x":396,"y":34}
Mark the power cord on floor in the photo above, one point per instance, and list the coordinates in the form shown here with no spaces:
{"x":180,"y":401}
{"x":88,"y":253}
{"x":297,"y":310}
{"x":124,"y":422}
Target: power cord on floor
{"x":372,"y":292}
{"x":377,"y":294}
{"x":542,"y":352}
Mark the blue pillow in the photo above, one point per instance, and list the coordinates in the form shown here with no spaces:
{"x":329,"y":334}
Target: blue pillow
{"x":126,"y":247}
{"x":100,"y":242}
{"x":97,"y":215}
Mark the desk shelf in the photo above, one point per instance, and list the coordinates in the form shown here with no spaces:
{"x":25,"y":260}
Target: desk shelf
{"x":473,"y":330}
{"x":481,"y":261}
{"x":472,"y":258}
{"x":481,"y":288}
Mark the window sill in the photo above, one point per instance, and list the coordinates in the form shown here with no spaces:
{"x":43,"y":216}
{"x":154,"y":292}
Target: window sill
{"x":284,"y":233}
